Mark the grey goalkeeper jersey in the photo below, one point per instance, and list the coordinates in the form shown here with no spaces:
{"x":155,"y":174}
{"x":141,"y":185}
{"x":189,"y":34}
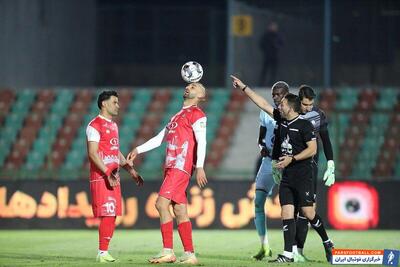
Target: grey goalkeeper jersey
{"x":317,"y":118}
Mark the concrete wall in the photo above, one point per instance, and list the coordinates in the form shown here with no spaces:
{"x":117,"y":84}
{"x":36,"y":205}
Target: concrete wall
{"x":47,"y":43}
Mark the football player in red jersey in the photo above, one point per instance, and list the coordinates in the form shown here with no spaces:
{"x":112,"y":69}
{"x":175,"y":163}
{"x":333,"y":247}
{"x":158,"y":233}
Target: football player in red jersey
{"x":185,"y":135}
{"x":105,"y":159}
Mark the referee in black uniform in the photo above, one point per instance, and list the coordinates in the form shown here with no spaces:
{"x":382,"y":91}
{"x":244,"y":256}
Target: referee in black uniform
{"x":298,"y":146}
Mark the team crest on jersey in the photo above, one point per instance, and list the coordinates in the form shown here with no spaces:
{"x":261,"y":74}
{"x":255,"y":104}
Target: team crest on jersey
{"x":286,"y":147}
{"x":172,"y":125}
{"x":114,"y":141}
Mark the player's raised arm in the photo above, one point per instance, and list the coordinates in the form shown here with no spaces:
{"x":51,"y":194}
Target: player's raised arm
{"x":256,"y":98}
{"x":149,"y":145}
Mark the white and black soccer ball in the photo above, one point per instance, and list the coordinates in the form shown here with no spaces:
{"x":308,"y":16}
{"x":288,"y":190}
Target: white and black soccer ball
{"x":192,"y":72}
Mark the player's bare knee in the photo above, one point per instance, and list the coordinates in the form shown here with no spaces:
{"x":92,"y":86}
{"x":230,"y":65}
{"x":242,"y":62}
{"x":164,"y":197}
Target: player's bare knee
{"x":161,"y":206}
{"x":308,"y":212}
{"x":180,"y":212}
{"x":287,"y":212}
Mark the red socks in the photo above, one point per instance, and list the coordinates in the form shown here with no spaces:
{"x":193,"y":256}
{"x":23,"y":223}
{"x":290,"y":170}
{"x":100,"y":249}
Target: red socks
{"x":185,"y":232}
{"x":106,"y":230}
{"x":166,"y":232}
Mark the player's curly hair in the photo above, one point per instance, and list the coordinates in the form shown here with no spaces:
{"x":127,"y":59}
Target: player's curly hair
{"x":105,"y":95}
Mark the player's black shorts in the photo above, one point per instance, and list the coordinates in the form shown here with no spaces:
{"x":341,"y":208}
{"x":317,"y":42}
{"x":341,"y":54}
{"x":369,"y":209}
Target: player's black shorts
{"x":297,"y":187}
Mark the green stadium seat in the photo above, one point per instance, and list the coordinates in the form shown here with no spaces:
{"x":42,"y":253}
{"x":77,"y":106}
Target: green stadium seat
{"x":48,"y":132}
{"x":370,"y":148}
{"x":177,"y":94}
{"x":132,"y":119}
{"x":9,"y":133}
{"x":14,"y":121}
{"x":174,"y":106}
{"x":387,"y":98}
{"x":221,"y":94}
{"x":348,"y":98}
{"x":128,"y":131}
{"x":141,"y":99}
{"x":34,"y":160}
{"x":154,"y":160}
{"x":75,"y":158}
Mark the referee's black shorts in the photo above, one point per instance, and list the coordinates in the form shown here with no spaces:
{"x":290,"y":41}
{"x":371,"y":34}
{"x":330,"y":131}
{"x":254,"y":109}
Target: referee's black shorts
{"x":297,"y":187}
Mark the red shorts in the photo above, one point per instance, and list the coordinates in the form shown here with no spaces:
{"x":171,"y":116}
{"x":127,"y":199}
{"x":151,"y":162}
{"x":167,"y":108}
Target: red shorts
{"x":106,"y":200}
{"x":174,"y":185}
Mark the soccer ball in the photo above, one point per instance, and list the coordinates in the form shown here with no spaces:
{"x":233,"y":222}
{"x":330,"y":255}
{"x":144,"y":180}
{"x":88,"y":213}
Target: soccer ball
{"x":191,"y":72}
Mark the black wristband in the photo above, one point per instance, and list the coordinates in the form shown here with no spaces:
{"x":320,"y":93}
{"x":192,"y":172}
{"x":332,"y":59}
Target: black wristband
{"x":293,"y":160}
{"x":244,"y":88}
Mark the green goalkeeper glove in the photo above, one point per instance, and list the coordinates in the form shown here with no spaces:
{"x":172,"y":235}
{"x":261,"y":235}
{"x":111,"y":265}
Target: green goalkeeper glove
{"x":329,"y":175}
{"x":276,"y":173}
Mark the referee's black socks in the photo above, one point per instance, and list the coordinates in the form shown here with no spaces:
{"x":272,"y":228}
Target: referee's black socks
{"x":301,"y":230}
{"x":318,"y":225}
{"x":289,"y":232}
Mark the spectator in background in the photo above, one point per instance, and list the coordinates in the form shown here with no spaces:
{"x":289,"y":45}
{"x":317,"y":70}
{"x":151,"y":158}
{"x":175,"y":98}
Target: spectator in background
{"x":270,"y":43}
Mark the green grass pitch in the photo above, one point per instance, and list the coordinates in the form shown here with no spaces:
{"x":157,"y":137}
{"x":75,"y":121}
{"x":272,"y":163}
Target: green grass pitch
{"x":133,"y":247}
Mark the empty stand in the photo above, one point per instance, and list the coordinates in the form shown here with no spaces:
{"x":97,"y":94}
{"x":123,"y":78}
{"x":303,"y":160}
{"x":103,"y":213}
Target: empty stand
{"x":222,"y":128}
{"x":362,"y":103}
{"x":70,"y":126}
{"x":44,"y":130}
{"x":19,"y":142}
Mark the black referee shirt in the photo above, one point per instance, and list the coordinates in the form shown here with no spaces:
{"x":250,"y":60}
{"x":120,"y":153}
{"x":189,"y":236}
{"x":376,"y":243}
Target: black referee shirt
{"x":292,"y":137}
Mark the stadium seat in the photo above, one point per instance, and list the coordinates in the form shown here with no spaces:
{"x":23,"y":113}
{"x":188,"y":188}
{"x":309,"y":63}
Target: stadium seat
{"x":15,"y":122}
{"x":73,"y":121}
{"x":387,"y":98}
{"x":41,"y":129}
{"x":7,"y":98}
{"x":327,"y":99}
{"x":348,"y":98}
